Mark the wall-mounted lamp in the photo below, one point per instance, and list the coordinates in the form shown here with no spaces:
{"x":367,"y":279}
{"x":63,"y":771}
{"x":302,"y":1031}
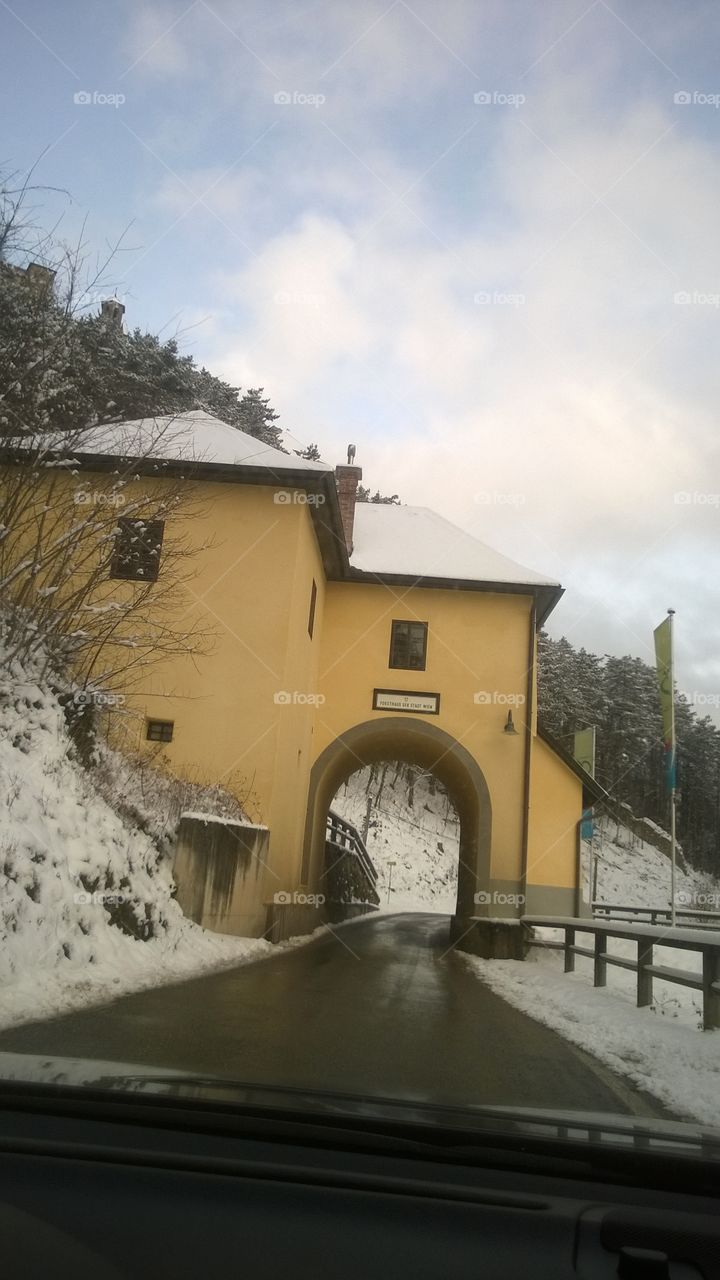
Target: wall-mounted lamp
{"x":509,"y":727}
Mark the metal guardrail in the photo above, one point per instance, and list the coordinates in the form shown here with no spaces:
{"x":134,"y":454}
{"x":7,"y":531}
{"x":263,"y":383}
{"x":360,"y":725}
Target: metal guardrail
{"x":647,"y":939}
{"x":658,"y":915}
{"x":344,"y":836}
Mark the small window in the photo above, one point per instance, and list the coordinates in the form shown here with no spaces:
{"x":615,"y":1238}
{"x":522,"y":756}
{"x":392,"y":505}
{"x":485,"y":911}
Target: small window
{"x":311,"y":615}
{"x":408,"y":645}
{"x":160,"y":730}
{"x":136,"y":555}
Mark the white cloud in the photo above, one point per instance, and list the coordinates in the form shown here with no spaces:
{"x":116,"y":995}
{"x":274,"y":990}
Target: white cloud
{"x":157,"y":42}
{"x":594,"y":395}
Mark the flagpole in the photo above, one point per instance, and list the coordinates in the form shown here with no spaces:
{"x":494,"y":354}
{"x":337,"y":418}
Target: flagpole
{"x":671,"y":615}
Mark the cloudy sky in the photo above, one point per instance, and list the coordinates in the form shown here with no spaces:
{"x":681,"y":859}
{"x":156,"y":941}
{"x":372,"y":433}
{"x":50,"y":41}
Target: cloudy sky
{"x":479,"y":239}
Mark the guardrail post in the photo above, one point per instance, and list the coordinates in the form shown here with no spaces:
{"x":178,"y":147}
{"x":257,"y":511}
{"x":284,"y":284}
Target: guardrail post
{"x":645,"y":948}
{"x":711,"y":988}
{"x":600,"y":961}
{"x":569,"y":953}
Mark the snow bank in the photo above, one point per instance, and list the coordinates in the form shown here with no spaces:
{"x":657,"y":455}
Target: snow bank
{"x":86,"y":906}
{"x":659,"y":1049}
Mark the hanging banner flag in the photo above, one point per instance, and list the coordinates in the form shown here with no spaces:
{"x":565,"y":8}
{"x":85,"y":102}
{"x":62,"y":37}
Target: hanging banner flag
{"x":584,"y":753}
{"x":584,"y":749}
{"x":664,"y":660}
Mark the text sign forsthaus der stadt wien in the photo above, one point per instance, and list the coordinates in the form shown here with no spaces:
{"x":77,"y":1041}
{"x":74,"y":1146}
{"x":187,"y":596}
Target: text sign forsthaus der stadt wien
{"x":406,"y":700}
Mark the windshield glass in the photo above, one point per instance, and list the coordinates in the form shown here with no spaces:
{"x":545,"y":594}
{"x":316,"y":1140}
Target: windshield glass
{"x":359,"y":676}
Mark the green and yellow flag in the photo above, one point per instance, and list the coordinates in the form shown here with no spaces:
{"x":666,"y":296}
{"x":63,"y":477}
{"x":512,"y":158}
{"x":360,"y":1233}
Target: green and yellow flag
{"x":664,"y":661}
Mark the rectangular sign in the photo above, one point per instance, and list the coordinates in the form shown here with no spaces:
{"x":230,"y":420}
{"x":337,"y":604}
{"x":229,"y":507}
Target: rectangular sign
{"x":427,"y":704}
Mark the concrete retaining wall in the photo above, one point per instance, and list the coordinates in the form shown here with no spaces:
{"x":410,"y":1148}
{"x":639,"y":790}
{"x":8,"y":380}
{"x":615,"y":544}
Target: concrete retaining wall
{"x":219,"y":872}
{"x":491,"y":939}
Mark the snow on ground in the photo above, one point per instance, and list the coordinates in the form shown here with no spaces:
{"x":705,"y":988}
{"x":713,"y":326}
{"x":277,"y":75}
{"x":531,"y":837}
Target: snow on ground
{"x":661,"y":1049}
{"x":69,"y":865}
{"x":421,"y":840}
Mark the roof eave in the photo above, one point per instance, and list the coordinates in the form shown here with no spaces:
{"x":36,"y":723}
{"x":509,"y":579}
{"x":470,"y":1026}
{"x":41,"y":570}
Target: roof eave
{"x":546,"y":596}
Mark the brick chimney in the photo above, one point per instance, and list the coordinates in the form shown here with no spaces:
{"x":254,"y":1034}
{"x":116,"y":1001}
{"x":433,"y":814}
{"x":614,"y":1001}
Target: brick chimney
{"x":347,"y":479}
{"x":112,"y":310}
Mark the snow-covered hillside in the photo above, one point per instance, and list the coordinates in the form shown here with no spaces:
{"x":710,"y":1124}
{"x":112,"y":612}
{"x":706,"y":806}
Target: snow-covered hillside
{"x":411,"y":821}
{"x":633,"y":873}
{"x":422,"y":839}
{"x":80,"y":888}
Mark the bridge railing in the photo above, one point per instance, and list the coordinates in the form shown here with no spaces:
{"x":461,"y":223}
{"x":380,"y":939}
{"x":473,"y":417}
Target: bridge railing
{"x":647,"y":938}
{"x":342,"y":841}
{"x":698,"y":918}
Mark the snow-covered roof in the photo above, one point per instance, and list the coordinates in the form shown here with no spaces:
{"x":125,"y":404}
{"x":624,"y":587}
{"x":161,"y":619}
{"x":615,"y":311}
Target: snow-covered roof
{"x":412,"y":542}
{"x":195,"y":436}
{"x":417,"y":542}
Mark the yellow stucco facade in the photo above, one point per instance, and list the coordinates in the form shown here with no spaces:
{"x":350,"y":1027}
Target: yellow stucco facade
{"x":281,"y":716}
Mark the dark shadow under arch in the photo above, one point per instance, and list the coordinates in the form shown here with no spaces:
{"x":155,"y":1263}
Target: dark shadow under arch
{"x":415,"y":742}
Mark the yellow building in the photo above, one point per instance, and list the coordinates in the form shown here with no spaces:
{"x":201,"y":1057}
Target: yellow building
{"x":346,"y":634}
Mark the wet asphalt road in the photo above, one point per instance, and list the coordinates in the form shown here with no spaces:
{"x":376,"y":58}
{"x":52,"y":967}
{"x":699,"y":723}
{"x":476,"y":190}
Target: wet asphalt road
{"x":377,"y":1007}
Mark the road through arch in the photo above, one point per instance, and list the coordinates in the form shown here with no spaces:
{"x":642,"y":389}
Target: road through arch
{"x":413,"y":741}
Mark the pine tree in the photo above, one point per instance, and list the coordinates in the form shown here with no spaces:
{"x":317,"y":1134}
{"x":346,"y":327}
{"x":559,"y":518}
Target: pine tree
{"x":364,"y":495}
{"x":620,"y":697}
{"x":258,"y":419}
{"x":65,"y":373}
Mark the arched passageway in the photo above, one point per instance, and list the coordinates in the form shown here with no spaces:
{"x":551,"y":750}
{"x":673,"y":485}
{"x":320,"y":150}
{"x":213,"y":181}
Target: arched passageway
{"x":417,"y":742}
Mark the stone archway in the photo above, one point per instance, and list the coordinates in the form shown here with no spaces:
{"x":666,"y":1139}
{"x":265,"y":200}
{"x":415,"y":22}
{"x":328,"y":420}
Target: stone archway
{"x":415,"y":742}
